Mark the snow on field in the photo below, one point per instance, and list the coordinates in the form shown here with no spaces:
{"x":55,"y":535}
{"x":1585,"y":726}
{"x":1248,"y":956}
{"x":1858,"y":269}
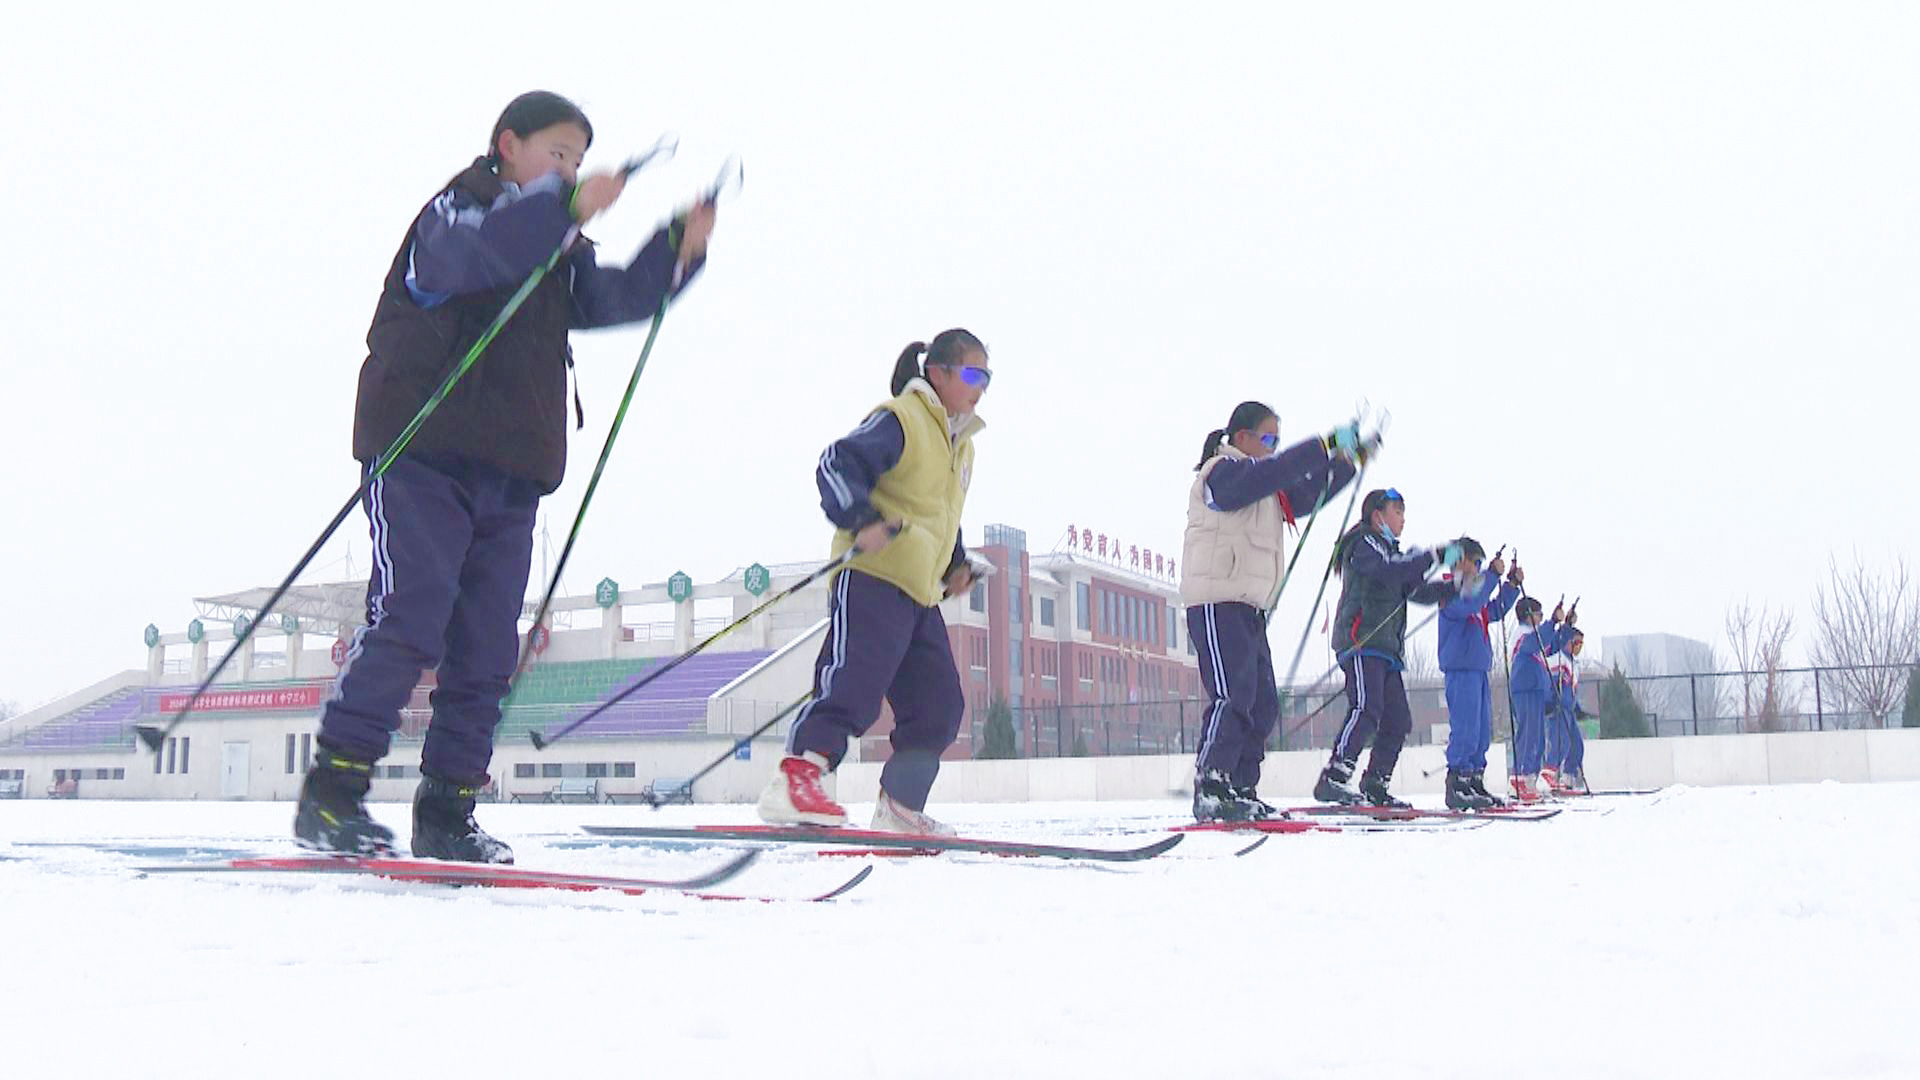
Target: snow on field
{"x":1699,"y":933}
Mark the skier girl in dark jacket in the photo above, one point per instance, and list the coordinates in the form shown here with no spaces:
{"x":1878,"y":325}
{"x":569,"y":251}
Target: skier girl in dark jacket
{"x":1378,"y":582}
{"x":452,"y":518}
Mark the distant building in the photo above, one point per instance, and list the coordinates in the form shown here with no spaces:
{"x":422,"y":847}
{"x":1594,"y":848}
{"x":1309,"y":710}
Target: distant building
{"x":1093,"y":638}
{"x":1673,"y":678}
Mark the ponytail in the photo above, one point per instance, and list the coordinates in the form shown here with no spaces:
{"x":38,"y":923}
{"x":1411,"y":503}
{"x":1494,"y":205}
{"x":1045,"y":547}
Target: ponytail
{"x":1345,"y":544}
{"x":1211,"y":448}
{"x":907,"y":368}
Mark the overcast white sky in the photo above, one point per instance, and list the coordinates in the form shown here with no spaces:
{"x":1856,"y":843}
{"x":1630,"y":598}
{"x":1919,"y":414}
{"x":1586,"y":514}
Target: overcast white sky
{"x":1637,"y":281}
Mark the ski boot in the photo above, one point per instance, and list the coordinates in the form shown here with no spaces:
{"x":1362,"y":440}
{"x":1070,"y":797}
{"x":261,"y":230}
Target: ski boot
{"x":1216,"y":800}
{"x":1336,"y":785}
{"x":332,"y":814}
{"x":1374,"y":789}
{"x":1258,"y":807}
{"x":794,"y":795}
{"x":443,"y":825}
{"x":1461,"y":794}
{"x":1479,"y":779}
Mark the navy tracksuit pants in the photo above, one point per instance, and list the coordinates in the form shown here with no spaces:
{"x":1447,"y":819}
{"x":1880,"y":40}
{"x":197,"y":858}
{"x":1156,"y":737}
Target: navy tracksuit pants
{"x":1469,"y":720}
{"x":881,"y":644}
{"x":452,"y":547}
{"x":1243,"y":703}
{"x":1377,"y":710}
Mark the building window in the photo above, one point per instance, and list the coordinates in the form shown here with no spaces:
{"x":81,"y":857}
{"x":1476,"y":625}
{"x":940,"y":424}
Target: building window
{"x":622,"y":769}
{"x":550,"y":769}
{"x":1046,"y":611}
{"x":977,"y":599}
{"x":186,"y":747}
{"x":119,"y":774}
{"x":173,"y":754}
{"x":1173,"y":627}
{"x":306,"y":751}
{"x":290,"y":746}
{"x":597,"y":770}
{"x":157,"y":755}
{"x":523,"y":770}
{"x":1083,"y":605}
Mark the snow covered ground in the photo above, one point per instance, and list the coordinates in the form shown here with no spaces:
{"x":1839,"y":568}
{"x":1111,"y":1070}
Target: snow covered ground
{"x":1699,"y":933}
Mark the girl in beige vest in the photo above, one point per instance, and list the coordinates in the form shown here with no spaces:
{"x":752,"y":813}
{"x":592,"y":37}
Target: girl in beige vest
{"x":1246,"y":492}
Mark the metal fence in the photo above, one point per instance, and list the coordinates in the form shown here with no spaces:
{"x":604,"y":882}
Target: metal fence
{"x":1712,"y":703}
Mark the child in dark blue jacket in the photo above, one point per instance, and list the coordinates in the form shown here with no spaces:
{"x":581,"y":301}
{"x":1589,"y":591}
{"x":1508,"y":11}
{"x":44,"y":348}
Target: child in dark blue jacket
{"x":1530,"y":688}
{"x":452,"y":518}
{"x":1466,"y":658}
{"x":1378,"y":581}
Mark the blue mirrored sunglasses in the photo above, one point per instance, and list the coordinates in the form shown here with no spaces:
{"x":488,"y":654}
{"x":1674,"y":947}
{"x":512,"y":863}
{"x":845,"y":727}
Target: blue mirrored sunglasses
{"x":971,"y":374}
{"x":1271,"y":442}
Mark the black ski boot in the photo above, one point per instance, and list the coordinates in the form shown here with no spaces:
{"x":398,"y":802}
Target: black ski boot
{"x":1480,"y":788}
{"x":1461,"y":795}
{"x":332,"y":815}
{"x":1336,"y":784}
{"x":1374,"y":790}
{"x":1215,"y":800}
{"x":1258,"y":807}
{"x":443,"y":825}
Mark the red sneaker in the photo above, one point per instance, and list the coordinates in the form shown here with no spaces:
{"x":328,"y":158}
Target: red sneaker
{"x":794,"y":795}
{"x":1526,"y":790}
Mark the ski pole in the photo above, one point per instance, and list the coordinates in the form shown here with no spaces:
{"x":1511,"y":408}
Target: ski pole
{"x":541,"y":742}
{"x":711,"y":195}
{"x":1359,"y":482}
{"x":155,"y":737}
{"x":655,"y":799}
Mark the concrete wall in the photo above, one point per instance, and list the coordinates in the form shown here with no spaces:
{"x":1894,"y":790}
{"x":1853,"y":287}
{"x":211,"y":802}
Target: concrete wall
{"x":1701,"y":761}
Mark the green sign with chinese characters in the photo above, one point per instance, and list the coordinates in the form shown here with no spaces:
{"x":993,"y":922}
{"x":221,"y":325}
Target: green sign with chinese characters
{"x":607,"y":593}
{"x":241,"y":625}
{"x":679,"y":587}
{"x":195,"y":631}
{"x":289,"y":624}
{"x":152,"y":636}
{"x":757,"y":579}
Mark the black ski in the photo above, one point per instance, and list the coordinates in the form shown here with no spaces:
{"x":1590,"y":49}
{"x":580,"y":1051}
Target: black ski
{"x":884,"y":841}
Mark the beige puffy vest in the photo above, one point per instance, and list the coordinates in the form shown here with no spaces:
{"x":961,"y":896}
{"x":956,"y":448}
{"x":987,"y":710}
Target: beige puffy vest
{"x":1231,"y":555}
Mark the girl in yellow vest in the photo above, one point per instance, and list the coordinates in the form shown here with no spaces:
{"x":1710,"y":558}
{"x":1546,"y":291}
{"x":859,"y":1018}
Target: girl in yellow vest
{"x":1245,"y":493}
{"x":894,"y":488}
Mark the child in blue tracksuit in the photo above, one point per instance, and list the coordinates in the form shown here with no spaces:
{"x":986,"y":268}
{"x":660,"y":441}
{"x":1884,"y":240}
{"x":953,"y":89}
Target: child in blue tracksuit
{"x":1565,"y":769}
{"x":1466,"y":658}
{"x":1531,"y":687}
{"x":452,"y":518}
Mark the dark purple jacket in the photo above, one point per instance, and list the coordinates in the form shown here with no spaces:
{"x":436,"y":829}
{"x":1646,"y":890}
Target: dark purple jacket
{"x":468,"y":251}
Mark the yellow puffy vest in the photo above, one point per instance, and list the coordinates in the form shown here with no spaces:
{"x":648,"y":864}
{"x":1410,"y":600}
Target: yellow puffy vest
{"x":926,"y":489}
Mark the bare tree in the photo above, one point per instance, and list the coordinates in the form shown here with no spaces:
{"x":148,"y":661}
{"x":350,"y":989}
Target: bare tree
{"x":1758,"y":640}
{"x":1868,"y":633}
{"x":1421,"y":665}
{"x":1781,"y":698}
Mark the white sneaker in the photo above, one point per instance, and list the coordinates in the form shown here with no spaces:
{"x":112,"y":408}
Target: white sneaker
{"x":794,"y":795}
{"x":890,"y":815}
